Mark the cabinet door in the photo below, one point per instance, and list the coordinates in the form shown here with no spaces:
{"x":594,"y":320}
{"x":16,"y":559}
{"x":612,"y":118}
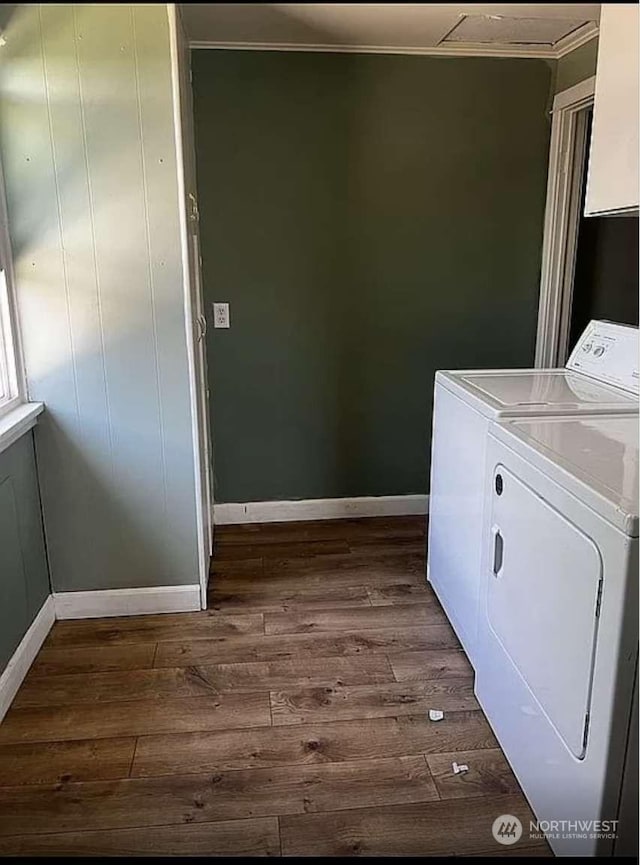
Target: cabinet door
{"x":612,"y":183}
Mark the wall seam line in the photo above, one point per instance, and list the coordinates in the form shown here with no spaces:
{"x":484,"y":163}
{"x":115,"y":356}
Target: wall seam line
{"x":94,"y":245}
{"x":65,"y":273}
{"x":145,"y":190}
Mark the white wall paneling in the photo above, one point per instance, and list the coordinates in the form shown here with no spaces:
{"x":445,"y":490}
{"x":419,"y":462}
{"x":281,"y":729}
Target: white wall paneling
{"x":88,"y":143}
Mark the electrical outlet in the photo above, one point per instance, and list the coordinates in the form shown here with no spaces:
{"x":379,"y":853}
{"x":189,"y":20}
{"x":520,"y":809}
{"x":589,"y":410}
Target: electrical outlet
{"x":220,"y":314}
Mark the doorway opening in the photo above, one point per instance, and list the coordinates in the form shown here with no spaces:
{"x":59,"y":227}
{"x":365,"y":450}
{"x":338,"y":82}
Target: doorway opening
{"x":589,"y":264}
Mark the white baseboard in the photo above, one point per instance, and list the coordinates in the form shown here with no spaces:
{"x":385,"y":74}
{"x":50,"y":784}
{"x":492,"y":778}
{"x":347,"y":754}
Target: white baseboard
{"x":89,"y":605}
{"x":127,"y":602}
{"x":183,"y":599}
{"x":24,"y":655}
{"x":319,"y":509}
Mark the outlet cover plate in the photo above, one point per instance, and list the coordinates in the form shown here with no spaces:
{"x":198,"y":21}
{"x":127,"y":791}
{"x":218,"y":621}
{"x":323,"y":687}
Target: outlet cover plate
{"x":220,"y":314}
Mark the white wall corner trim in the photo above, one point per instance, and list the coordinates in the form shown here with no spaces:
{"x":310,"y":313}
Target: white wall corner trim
{"x":24,"y":655}
{"x":202,"y":519}
{"x":127,"y":602}
{"x":319,"y":509}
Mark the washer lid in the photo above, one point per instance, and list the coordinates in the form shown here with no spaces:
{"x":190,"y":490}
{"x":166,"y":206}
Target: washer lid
{"x":595,"y":457}
{"x":534,"y":391}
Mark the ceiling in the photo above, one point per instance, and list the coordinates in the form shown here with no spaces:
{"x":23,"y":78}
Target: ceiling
{"x":542,"y":30}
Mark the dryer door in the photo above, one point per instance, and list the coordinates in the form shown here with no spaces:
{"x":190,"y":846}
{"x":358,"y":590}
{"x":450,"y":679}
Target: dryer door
{"x":543,"y":590}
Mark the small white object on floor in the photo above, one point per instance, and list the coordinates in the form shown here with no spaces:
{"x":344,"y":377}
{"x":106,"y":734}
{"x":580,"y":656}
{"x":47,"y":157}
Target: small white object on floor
{"x":458,"y":769}
{"x":435,"y":715}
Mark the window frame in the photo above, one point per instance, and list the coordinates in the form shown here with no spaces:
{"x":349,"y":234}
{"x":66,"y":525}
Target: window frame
{"x":10,"y":345}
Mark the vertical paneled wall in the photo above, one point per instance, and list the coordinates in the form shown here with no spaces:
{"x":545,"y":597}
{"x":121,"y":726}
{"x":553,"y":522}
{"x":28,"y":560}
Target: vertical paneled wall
{"x":24,"y":581}
{"x":88,"y":146}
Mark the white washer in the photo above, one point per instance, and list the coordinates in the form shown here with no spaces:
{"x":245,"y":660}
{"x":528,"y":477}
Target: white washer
{"x":558,"y":645}
{"x":601,"y":376}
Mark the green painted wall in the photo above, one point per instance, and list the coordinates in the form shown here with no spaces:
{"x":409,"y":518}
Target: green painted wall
{"x":576,"y":66}
{"x":24,"y":578}
{"x":370,"y":219}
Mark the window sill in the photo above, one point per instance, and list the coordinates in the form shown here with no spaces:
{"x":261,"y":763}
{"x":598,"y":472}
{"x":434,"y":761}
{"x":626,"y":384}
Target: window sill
{"x":17,"y":422}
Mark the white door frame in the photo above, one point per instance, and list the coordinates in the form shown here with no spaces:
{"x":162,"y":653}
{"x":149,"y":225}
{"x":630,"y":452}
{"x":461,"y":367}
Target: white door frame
{"x":561,"y":221}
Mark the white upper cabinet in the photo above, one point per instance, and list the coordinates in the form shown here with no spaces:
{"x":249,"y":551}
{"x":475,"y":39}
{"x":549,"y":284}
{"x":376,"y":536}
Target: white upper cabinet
{"x":612,"y":183}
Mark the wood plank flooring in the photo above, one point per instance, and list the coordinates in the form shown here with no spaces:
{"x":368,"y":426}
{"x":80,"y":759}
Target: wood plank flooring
{"x":290,"y":718}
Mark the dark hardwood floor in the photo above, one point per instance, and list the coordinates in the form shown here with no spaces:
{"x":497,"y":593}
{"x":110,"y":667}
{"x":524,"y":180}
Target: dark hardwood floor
{"x":290,"y":718}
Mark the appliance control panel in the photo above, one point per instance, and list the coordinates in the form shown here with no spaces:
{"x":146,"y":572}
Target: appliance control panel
{"x":608,"y":352}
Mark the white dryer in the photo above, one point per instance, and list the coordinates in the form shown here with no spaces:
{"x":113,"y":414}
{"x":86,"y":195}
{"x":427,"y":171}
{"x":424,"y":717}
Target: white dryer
{"x":558,"y":645}
{"x":601,"y":376}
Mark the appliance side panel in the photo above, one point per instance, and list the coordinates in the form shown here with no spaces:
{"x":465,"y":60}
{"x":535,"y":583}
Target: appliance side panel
{"x":626,"y":843}
{"x":455,"y":511}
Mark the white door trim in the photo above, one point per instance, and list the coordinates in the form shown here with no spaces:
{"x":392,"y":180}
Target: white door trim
{"x":561,"y":222}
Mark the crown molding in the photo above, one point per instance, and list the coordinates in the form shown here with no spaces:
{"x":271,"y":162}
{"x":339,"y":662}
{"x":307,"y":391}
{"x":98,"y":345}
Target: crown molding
{"x":574,"y":40}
